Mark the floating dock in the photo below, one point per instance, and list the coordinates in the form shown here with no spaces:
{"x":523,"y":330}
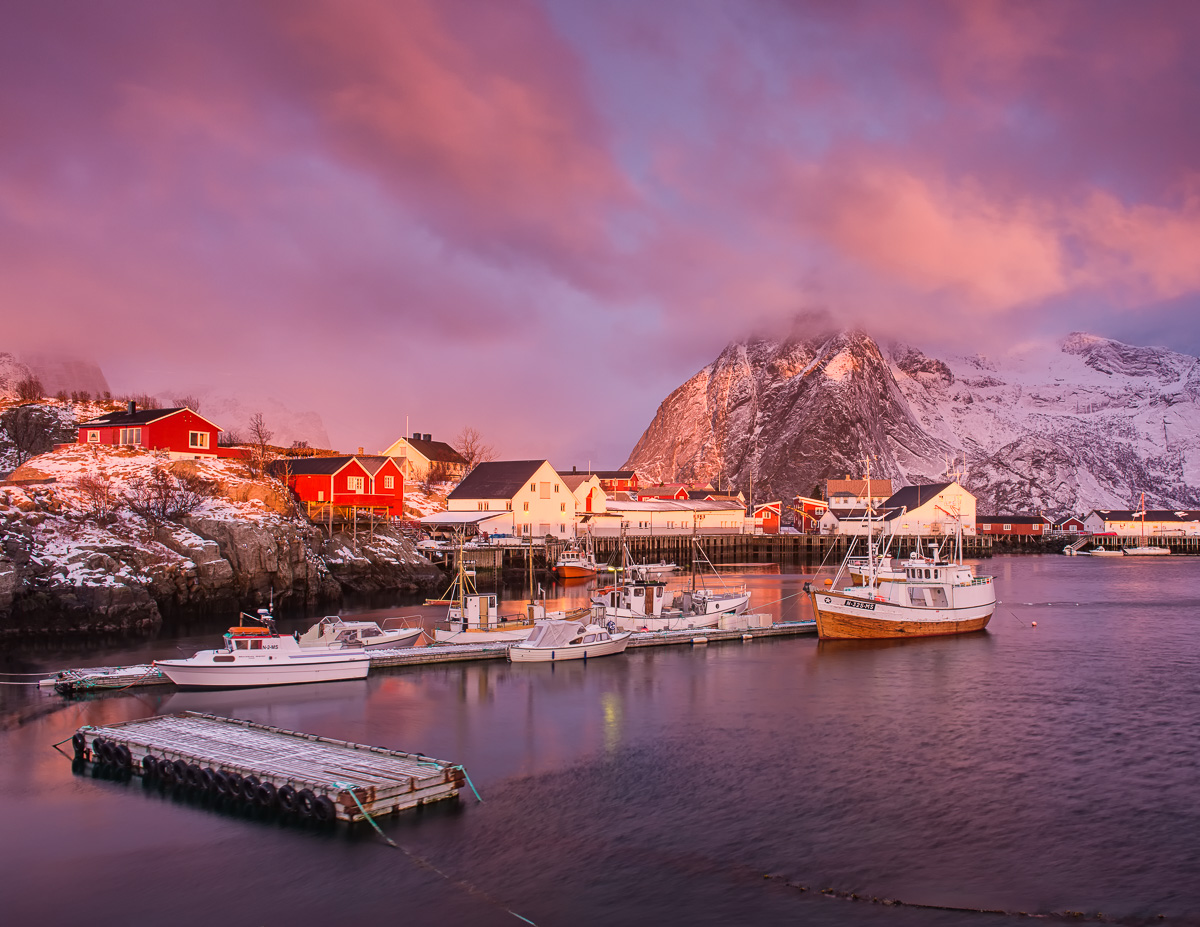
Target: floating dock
{"x":76,"y":681}
{"x":312,"y":777}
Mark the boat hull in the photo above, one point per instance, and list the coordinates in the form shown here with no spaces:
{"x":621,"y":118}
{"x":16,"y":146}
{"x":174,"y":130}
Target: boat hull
{"x":406,"y":639}
{"x":443,"y":636}
{"x":207,"y":675}
{"x":630,"y":621}
{"x":1145,"y":551}
{"x":574,"y":571}
{"x":850,"y":618}
{"x":519,"y":654}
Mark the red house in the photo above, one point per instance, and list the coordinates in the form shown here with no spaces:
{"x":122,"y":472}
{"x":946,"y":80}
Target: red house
{"x":808,"y":514}
{"x":1008,"y":525}
{"x":617,"y":480}
{"x":351,"y":482}
{"x":765,"y":517}
{"x":1072,"y":525}
{"x":180,"y":432}
{"x":670,"y":491}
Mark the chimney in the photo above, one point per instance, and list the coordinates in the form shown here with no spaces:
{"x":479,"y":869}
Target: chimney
{"x":574,"y":469}
{"x":427,"y":437}
{"x":132,"y":407}
{"x":360,"y":450}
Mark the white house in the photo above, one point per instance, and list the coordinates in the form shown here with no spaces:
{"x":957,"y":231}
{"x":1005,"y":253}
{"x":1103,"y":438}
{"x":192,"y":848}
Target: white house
{"x":931,"y":510}
{"x":530,"y":494}
{"x":585,"y":487}
{"x":1158,"y":522}
{"x":856,"y":494}
{"x":667,"y":516}
{"x":418,"y":454}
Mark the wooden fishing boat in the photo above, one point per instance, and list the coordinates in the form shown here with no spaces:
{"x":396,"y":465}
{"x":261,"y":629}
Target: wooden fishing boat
{"x":935,"y":597}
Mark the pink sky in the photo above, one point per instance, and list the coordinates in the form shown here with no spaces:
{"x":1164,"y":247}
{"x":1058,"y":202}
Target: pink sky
{"x":539,"y":218}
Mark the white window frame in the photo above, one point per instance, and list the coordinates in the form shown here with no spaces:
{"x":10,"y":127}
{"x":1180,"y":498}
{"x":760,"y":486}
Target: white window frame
{"x":354,"y":484}
{"x":93,"y":437}
{"x":389,"y":482}
{"x":1008,"y":527}
{"x":130,"y":436}
{"x":198,"y":439}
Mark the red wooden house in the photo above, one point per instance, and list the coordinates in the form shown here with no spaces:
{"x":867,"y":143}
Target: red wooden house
{"x":356,"y":482}
{"x":765,"y":517}
{"x":1072,"y":525}
{"x":617,"y":480}
{"x":1008,"y":525}
{"x":180,"y":432}
{"x":669,"y":491}
{"x":807,"y":514}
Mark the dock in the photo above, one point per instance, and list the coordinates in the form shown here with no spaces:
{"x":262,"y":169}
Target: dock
{"x":313,"y":778}
{"x":112,"y":678}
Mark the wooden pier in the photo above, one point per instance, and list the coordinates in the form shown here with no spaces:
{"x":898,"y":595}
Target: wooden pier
{"x":311,"y":777}
{"x":78,"y":681}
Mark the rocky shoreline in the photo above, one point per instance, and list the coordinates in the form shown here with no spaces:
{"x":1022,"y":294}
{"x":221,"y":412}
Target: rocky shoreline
{"x":65,"y":569}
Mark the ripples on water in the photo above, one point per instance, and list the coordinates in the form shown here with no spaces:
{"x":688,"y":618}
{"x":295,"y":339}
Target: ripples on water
{"x":1046,"y":769}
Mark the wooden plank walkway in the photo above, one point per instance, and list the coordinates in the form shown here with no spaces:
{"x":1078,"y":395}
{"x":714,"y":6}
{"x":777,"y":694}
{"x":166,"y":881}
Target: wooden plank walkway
{"x":311,"y":776}
{"x":77,"y":681}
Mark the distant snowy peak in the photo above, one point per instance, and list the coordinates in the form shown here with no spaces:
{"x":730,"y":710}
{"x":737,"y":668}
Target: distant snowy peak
{"x":1089,"y":422}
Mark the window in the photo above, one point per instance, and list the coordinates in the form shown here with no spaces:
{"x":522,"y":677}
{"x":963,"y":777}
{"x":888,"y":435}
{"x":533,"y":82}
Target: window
{"x":197,"y":439}
{"x":545,"y":493}
{"x":1008,"y":527}
{"x":533,"y":487}
{"x":562,"y":507}
{"x":389,"y":482}
{"x":320,"y":495}
{"x":556,"y":487}
{"x":93,"y":437}
{"x":354,"y":484}
{"x":483,"y":506}
{"x":1037,"y":527}
{"x":562,"y":529}
{"x":985,"y":527}
{"x":131,"y":436}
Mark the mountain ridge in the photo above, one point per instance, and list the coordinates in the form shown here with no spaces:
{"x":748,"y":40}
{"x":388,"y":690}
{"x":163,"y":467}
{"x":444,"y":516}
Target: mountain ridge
{"x":1087,"y":423}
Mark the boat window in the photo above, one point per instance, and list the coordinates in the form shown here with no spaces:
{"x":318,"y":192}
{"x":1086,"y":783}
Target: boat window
{"x":242,"y":645}
{"x":927,"y":574}
{"x":256,"y":645}
{"x":604,"y":636}
{"x":590,"y":639}
{"x":577,"y":640}
{"x":638,"y":592}
{"x":223,"y":658}
{"x":658,"y":592}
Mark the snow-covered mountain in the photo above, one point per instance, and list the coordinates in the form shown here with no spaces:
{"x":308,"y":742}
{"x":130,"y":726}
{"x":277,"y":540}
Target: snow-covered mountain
{"x":1086,"y":423}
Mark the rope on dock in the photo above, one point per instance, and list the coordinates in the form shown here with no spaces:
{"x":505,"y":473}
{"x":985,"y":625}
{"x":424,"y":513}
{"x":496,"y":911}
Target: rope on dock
{"x":467,"y":776}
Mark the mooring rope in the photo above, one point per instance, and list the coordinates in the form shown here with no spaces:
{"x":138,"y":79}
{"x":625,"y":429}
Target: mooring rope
{"x":424,"y":863}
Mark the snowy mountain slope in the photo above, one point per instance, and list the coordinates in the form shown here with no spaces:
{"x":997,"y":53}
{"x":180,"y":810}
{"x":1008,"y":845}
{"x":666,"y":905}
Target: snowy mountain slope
{"x":1062,"y":428}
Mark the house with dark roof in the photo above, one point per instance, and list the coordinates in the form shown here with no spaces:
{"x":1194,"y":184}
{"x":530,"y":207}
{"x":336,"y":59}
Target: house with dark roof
{"x":618,"y":480}
{"x":180,"y":432}
{"x":1009,"y":525}
{"x":929,"y":510}
{"x":585,"y":487}
{"x":1151,"y":523}
{"x":856,"y":493}
{"x":348,"y":482}
{"x":765,"y":517}
{"x":420,"y":454}
{"x":532,"y":495}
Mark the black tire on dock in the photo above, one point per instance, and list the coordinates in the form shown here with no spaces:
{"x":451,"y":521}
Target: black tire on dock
{"x":287,"y":799}
{"x":122,"y":757}
{"x":79,"y":742}
{"x":266,"y":795}
{"x":235,"y":787}
{"x":99,"y":750}
{"x":195,"y":776}
{"x":249,"y":786}
{"x":149,"y":767}
{"x":324,"y":811}
{"x":208,"y":781}
{"x":181,"y":772}
{"x":166,"y":772}
{"x":221,"y":781}
{"x":306,"y":802}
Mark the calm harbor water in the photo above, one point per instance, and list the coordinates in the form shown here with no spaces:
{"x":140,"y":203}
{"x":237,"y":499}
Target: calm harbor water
{"x":1046,"y":769}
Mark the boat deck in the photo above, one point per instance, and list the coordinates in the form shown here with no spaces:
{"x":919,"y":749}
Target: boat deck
{"x":355,"y":777}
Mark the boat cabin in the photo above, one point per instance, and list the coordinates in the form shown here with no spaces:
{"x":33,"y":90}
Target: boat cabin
{"x":642,"y":600}
{"x":477,"y":613}
{"x":552,"y":634}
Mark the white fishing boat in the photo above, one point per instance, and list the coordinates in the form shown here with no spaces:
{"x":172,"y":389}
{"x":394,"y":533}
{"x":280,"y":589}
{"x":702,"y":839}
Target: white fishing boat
{"x":1103,"y":552}
{"x":257,"y":656}
{"x":476,"y":619}
{"x":556,"y":639}
{"x":1143,"y":549}
{"x":652,"y":570}
{"x":333,"y":629}
{"x":936,"y":597}
{"x":577,"y":562}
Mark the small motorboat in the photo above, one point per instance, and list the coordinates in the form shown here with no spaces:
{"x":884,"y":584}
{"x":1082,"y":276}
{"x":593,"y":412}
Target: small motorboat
{"x":577,"y":562}
{"x":556,"y":639}
{"x":334,"y":629}
{"x":258,"y":656}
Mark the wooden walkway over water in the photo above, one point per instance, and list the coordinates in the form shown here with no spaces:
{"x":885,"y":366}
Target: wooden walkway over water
{"x":318,"y":778}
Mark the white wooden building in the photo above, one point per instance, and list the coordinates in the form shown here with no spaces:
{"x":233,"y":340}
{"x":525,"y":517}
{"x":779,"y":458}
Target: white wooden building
{"x":666,"y":517}
{"x":531,"y":494}
{"x":1158,"y":522}
{"x":930,"y":510}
